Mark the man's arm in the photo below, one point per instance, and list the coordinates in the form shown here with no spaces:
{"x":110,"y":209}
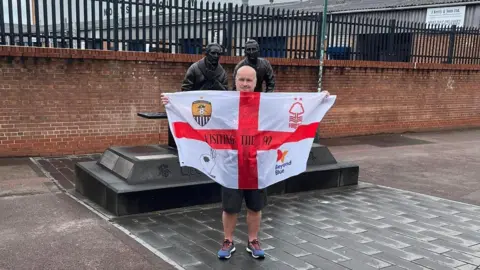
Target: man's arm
{"x":269,"y":77}
{"x":189,"y":79}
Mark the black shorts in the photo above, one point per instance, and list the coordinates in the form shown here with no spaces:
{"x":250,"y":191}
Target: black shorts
{"x":232,"y":199}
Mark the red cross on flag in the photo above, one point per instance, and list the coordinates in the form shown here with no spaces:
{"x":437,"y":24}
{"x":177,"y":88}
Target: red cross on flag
{"x":246,"y":140}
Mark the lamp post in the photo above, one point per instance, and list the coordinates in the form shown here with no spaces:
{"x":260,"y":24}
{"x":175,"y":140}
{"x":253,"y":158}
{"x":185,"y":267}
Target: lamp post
{"x":323,"y":44}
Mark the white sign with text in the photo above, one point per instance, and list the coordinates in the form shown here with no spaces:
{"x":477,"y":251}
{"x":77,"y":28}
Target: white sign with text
{"x":446,"y":16}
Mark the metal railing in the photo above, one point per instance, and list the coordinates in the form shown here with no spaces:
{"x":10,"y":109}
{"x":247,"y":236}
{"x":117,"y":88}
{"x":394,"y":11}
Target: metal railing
{"x":155,"y":26}
{"x":355,"y":38}
{"x":178,"y":26}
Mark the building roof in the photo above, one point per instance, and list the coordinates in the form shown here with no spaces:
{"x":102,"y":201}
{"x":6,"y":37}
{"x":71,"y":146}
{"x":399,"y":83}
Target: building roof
{"x":357,"y":5}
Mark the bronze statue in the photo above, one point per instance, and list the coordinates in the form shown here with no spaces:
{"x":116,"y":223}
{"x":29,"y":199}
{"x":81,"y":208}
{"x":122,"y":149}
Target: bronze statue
{"x":207,"y":73}
{"x":261,"y":65}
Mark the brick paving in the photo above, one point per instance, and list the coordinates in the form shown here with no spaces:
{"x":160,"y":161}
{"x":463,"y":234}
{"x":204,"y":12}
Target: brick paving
{"x":367,"y":227}
{"x":62,"y":169}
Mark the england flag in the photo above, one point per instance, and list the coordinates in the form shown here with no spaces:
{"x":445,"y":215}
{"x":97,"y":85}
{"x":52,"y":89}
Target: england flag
{"x":246,"y":140}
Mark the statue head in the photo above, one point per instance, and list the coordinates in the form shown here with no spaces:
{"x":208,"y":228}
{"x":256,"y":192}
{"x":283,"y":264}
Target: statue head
{"x":252,"y":49}
{"x":213,"y":52}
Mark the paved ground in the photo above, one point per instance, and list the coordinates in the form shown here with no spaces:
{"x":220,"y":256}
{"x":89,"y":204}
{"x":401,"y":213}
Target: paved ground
{"x":43,"y":228}
{"x":364,"y":227}
{"x":356,"y":228}
{"x":444,"y":164}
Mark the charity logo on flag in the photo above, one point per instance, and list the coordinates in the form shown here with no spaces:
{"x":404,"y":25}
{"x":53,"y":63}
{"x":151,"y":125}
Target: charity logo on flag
{"x":281,"y":164}
{"x":246,"y":140}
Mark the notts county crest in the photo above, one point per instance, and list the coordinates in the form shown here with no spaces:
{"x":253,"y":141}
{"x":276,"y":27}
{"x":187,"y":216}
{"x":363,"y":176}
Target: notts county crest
{"x":201,"y":111}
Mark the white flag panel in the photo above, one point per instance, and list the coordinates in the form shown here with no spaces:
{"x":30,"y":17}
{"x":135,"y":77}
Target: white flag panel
{"x":204,"y":114}
{"x":219,"y":165}
{"x":285,"y":111}
{"x":287,"y":161}
{"x":205,"y":109}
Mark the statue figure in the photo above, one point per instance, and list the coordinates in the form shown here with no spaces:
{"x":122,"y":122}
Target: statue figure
{"x":207,"y":73}
{"x":261,"y":65}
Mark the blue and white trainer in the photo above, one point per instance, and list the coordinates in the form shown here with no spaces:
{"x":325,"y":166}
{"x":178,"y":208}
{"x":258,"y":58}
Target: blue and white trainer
{"x":254,"y":248}
{"x":227,"y":249}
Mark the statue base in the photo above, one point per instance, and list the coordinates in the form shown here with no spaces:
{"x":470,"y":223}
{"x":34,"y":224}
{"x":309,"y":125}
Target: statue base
{"x":139,"y":179}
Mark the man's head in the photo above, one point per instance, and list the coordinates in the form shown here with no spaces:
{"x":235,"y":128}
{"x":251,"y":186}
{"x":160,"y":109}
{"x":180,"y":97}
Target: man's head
{"x":213,"y":52}
{"x":252,"y":49}
{"x":246,"y":79}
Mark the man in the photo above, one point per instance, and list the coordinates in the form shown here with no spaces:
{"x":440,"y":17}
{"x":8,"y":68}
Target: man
{"x":207,"y":73}
{"x":232,"y":199}
{"x":262,"y":67}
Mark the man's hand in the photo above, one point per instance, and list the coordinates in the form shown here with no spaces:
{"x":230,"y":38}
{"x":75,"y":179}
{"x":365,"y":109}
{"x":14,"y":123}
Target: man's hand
{"x":326,"y":92}
{"x":164,"y":99}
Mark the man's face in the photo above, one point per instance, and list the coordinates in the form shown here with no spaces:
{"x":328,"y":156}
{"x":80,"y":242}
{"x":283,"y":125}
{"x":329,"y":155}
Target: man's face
{"x":246,"y":80}
{"x":214,"y":54}
{"x":252,"y":51}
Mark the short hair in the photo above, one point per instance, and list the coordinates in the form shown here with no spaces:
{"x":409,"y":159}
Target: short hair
{"x":244,"y":67}
{"x":210,"y":45}
{"x":252,"y":41}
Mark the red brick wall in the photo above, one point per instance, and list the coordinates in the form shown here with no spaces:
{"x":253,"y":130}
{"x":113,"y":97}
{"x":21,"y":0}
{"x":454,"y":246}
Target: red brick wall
{"x":60,"y":101}
{"x":399,"y":97}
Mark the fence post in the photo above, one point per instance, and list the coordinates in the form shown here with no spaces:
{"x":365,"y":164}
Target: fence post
{"x":2,"y":26}
{"x":451,"y":45}
{"x":319,"y":35}
{"x":10,"y":22}
{"x":229,"y":29}
{"x":391,"y":33}
{"x":115,"y":25}
{"x":20,"y":22}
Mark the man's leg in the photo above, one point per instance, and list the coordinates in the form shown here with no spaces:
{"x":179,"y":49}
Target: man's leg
{"x":229,"y":222}
{"x":253,"y":222}
{"x":255,"y":201}
{"x":232,"y":204}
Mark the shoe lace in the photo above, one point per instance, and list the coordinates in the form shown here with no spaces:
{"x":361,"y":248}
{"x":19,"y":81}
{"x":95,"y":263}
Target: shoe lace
{"x":255,"y":244}
{"x":226,"y":244}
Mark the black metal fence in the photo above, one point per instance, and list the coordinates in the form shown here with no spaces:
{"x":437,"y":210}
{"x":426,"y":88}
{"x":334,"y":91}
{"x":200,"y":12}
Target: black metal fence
{"x":153,"y":25}
{"x":355,"y":38}
{"x":179,"y":26}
